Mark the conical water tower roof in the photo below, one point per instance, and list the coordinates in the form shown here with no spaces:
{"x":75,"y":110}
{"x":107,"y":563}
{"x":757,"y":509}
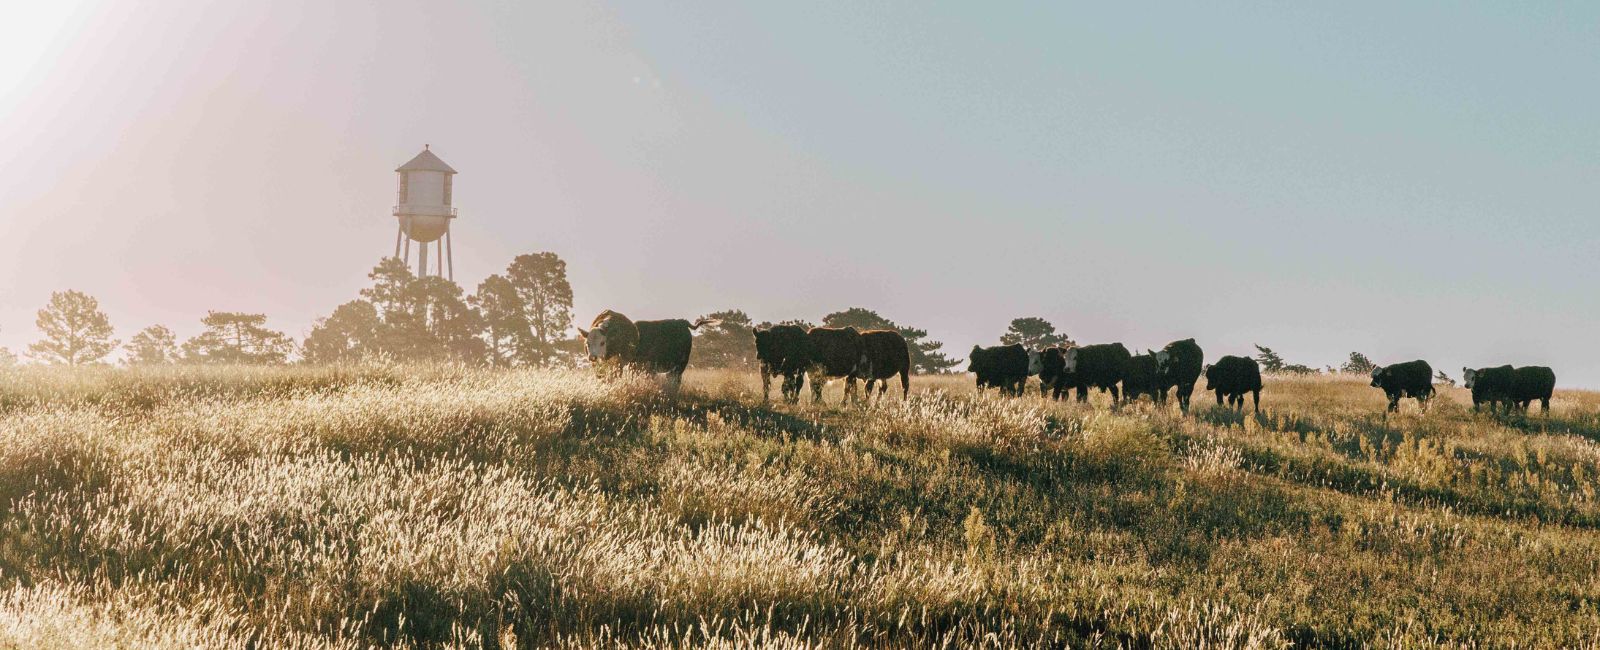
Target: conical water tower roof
{"x":426,"y":162}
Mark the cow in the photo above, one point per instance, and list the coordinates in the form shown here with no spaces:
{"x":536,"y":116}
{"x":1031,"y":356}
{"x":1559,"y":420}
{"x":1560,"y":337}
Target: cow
{"x":1143,"y":377}
{"x":784,"y":351}
{"x":1534,"y":383}
{"x":1004,"y":367}
{"x":836,"y":352}
{"x":649,"y":346}
{"x":1232,"y":377}
{"x":1494,"y":385}
{"x":885,"y":354}
{"x":1179,"y":365}
{"x":1516,"y":388}
{"x":1412,"y":379}
{"x":1101,"y":366}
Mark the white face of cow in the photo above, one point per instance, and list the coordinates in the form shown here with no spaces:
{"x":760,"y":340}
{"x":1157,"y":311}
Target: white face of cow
{"x":1035,"y":362}
{"x":1468,"y":377}
{"x":1162,"y":359}
{"x":596,"y":340}
{"x":1072,"y":360}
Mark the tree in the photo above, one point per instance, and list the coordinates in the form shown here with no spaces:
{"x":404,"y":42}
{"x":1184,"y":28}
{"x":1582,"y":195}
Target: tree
{"x":541,"y":281}
{"x":728,"y":343}
{"x":152,"y":346}
{"x":925,"y":355}
{"x":1444,"y":379}
{"x":1269,"y":360}
{"x":7,"y":359}
{"x":233,"y":337}
{"x":352,"y":332}
{"x":1033,"y":333}
{"x":1358,"y":364}
{"x":505,"y":320}
{"x":75,"y":331}
{"x":449,"y":328}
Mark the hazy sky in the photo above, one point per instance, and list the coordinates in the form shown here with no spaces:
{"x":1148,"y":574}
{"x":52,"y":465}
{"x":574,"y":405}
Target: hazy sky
{"x":1408,"y":181}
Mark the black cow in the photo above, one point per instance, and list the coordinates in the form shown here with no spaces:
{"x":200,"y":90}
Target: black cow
{"x":1410,"y":379}
{"x":1143,"y":377}
{"x":1534,"y":383}
{"x":650,"y":346}
{"x":885,"y":354}
{"x":1051,"y":366}
{"x":1004,"y":367}
{"x":1516,"y":388}
{"x":836,"y":352}
{"x":1232,"y":377}
{"x":1099,"y":366}
{"x":784,"y":351}
{"x":1180,"y":364}
{"x":1495,"y":385}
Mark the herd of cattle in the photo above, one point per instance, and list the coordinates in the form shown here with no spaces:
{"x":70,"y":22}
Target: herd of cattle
{"x":793,"y":354}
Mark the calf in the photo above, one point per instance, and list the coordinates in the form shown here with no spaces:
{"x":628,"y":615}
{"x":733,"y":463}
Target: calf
{"x":1412,"y":379}
{"x":1100,"y":366}
{"x":1143,"y":377}
{"x":1180,"y":365}
{"x":1004,"y":367}
{"x":784,"y":351}
{"x":836,"y":352}
{"x":1232,"y":377}
{"x":885,"y":354}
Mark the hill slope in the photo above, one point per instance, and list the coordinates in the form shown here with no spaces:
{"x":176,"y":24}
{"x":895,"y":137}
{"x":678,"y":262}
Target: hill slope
{"x":351,"y":507}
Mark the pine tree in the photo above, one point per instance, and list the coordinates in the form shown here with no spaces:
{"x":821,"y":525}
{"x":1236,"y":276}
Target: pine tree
{"x":237,"y":338}
{"x":505,"y":321}
{"x":1033,"y":333}
{"x":152,"y":346}
{"x":541,"y":281}
{"x":352,"y":332}
{"x":75,"y":331}
{"x":729,"y":343}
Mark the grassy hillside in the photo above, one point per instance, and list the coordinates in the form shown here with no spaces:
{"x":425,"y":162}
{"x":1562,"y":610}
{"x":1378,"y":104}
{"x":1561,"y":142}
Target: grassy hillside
{"x":326,"y":508}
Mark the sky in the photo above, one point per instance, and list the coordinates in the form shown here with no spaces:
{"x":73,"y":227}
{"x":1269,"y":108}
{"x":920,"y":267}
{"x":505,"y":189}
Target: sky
{"x":1408,"y":180}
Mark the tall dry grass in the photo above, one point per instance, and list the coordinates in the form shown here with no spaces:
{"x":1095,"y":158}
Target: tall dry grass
{"x":448,"y":507}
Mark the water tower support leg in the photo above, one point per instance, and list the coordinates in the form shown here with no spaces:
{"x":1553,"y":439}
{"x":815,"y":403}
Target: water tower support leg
{"x":422,"y":260}
{"x":450,"y":255}
{"x":407,"y":259}
{"x":398,"y":233}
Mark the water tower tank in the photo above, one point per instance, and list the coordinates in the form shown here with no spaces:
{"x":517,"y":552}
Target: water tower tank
{"x":424,"y":210}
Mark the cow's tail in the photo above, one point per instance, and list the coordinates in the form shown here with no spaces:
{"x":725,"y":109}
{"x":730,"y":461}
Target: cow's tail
{"x":713,"y":322}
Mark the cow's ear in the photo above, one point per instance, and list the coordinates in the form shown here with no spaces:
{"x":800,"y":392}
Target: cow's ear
{"x":582,"y":333}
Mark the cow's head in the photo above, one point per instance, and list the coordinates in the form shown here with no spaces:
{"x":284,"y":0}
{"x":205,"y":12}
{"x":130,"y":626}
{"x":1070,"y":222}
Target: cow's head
{"x":1163,"y":360}
{"x":1035,"y":362}
{"x":1209,"y":378}
{"x":1070,"y":360}
{"x":596,"y":341}
{"x":1468,"y":377}
{"x":1377,"y":376}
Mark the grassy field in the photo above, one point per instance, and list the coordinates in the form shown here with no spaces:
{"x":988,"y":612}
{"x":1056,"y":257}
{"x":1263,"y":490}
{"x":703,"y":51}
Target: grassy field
{"x":334,"y":508}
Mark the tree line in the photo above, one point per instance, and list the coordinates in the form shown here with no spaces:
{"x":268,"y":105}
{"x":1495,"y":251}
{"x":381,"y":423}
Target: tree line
{"x":521,"y":317}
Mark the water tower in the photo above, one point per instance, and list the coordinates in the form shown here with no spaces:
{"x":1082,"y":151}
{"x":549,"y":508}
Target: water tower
{"x":425,"y":212}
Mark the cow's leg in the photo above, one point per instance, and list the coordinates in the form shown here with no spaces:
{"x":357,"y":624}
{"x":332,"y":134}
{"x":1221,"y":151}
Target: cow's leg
{"x":1116,"y":398}
{"x":1394,"y":402}
{"x":1256,"y":398}
{"x":817,"y":379}
{"x":850,"y":394}
{"x":1544,"y":405}
{"x":905,"y":384}
{"x":766,"y":384}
